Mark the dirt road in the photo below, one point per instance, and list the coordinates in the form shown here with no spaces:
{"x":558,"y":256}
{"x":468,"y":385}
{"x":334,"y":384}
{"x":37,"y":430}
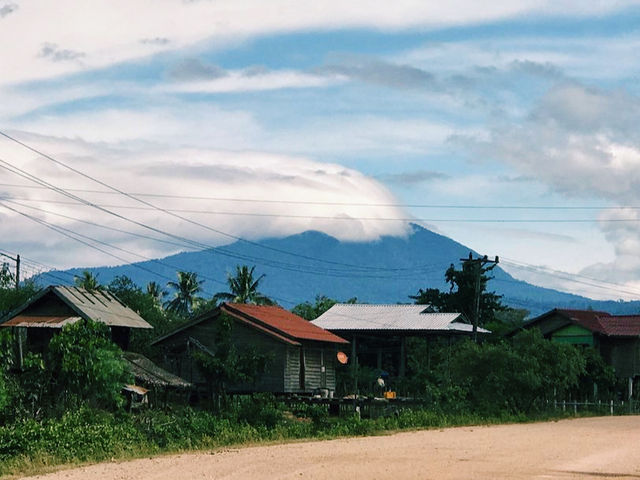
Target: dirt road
{"x":604,"y":447}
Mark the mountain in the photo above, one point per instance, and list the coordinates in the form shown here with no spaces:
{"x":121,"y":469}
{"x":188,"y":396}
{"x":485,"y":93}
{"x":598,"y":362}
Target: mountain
{"x":311,"y":263}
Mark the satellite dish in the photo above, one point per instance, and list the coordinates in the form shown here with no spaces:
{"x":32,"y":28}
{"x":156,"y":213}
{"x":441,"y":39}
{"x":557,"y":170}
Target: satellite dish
{"x":342,"y":358}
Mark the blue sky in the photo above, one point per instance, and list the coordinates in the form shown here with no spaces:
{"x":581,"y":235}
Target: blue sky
{"x":475,"y":113}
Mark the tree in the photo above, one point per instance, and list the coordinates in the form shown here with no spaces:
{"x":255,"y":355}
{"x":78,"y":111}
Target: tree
{"x":156,"y":292}
{"x":87,"y":366}
{"x":226,"y":365}
{"x":243,"y":288}
{"x":461,"y":294}
{"x":311,"y":311}
{"x":88,"y":281}
{"x":516,"y":376}
{"x":185,"y":295}
{"x":7,"y":278}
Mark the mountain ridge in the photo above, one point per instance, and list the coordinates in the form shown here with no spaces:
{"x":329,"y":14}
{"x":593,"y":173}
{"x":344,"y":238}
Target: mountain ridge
{"x":387,"y":270}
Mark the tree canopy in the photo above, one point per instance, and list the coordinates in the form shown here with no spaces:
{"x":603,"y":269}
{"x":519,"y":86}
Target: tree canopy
{"x":461,"y":294}
{"x":185,"y":295}
{"x":243,"y":288}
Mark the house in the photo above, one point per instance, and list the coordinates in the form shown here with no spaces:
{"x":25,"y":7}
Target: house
{"x":616,"y":337}
{"x":378,"y":333}
{"x":56,"y":306}
{"x":301,"y":357}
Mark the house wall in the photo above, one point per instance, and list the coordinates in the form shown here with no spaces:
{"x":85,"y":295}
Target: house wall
{"x":282,"y":374}
{"x":623,"y":354}
{"x":574,"y":335}
{"x":178,"y":358}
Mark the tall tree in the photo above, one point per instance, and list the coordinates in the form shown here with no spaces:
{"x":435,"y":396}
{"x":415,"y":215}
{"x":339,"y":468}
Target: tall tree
{"x":243,"y":288}
{"x":461,"y":294}
{"x":185,"y":294}
{"x":88,"y":281}
{"x":311,"y":311}
{"x":156,"y":292}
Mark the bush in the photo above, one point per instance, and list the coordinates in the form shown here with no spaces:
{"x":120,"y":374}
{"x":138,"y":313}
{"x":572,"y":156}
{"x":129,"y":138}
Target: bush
{"x":86,"y":366}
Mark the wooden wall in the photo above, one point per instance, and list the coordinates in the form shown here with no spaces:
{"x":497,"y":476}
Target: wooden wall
{"x":282,"y":374}
{"x":623,"y":354}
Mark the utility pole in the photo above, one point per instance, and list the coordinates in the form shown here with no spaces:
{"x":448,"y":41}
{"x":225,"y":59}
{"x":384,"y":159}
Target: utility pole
{"x":18,"y":332}
{"x":478,"y":264}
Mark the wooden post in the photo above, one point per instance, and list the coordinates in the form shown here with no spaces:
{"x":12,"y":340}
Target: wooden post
{"x":354,"y":372}
{"x":611,"y":407}
{"x":403,"y":355}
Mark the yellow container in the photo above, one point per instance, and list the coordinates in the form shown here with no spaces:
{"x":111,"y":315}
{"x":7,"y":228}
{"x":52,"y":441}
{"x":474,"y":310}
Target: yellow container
{"x":389,"y":394}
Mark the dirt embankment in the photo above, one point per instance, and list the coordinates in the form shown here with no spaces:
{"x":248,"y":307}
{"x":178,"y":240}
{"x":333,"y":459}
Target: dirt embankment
{"x":591,"y":448}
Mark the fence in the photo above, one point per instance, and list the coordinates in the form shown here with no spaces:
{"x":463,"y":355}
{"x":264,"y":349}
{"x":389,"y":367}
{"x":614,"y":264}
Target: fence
{"x":611,"y":407}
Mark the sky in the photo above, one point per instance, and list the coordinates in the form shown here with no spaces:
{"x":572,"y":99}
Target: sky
{"x":510,"y":127}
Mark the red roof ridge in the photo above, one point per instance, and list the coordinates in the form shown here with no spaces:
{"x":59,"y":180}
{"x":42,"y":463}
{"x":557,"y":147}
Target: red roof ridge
{"x":283,"y":322}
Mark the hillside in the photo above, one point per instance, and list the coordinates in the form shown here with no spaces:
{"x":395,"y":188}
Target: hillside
{"x":383,"y":271}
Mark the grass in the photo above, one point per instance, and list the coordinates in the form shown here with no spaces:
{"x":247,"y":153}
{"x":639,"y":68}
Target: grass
{"x":89,"y":436}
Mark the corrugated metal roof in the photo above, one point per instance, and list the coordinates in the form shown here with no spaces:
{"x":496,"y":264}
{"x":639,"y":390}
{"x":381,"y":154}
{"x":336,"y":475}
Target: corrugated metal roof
{"x":100,"y":306}
{"x":283,"y":321}
{"x":343,"y":316}
{"x":147,"y":372}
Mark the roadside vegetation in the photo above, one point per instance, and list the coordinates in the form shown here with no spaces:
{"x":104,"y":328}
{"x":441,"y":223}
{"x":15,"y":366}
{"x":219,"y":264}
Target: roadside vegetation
{"x":64,"y":405}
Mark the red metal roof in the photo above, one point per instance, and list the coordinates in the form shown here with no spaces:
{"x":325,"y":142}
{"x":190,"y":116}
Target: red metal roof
{"x":589,"y":319}
{"x":40,"y":321}
{"x":283,"y":321}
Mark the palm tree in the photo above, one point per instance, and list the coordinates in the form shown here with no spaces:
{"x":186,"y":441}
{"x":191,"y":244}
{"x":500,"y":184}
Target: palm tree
{"x":88,"y":281}
{"x":185,"y":296}
{"x":156,"y":292}
{"x":244,"y":288}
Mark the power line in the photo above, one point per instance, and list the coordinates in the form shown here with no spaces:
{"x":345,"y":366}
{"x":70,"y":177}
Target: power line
{"x":144,"y":202}
{"x":17,"y":171}
{"x":338,"y":217}
{"x":349,"y":204}
{"x":572,"y":277}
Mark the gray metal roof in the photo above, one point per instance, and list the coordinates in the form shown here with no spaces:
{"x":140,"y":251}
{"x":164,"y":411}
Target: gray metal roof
{"x":343,"y":316}
{"x":100,"y":306}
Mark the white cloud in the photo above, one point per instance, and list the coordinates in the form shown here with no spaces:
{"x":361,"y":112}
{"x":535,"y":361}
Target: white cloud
{"x":584,"y":143}
{"x":108,"y":32}
{"x":195,"y":172}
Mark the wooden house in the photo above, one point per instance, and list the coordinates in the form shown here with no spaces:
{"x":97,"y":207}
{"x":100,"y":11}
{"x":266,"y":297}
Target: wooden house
{"x":301,"y":357}
{"x":56,"y":306}
{"x":616,"y":337}
{"x":378,"y":332}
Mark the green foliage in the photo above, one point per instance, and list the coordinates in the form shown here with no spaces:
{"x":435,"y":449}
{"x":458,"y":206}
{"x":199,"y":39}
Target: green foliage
{"x":88,"y":281}
{"x":260,"y":410}
{"x":506,"y":321}
{"x":156,"y":292}
{"x":11,"y":298}
{"x":87,"y":366}
{"x":85,"y":434}
{"x":599,"y":379}
{"x":461,"y":294}
{"x":243,"y":288}
{"x":185,"y":294}
{"x":226,"y":365}
{"x":511,"y":377}
{"x":4,"y":392}
{"x":148,"y":307}
{"x":311,"y":311}
{"x":7,"y":278}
